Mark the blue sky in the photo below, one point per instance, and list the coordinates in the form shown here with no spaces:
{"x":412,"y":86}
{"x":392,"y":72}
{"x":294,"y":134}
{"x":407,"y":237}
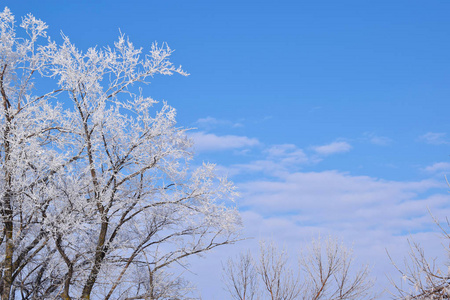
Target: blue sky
{"x":330,"y":116}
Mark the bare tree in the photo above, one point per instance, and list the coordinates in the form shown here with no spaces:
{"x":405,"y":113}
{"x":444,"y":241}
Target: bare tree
{"x":422,"y":278}
{"x":95,"y":181}
{"x":241,"y":277}
{"x":279,"y":281}
{"x":326,"y":272}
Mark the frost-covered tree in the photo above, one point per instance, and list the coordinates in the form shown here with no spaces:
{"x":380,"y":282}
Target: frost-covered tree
{"x":98,"y":199}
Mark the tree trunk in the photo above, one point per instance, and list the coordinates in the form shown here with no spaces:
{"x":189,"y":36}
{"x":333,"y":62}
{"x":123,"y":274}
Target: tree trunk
{"x":9,"y":247}
{"x":99,"y":256}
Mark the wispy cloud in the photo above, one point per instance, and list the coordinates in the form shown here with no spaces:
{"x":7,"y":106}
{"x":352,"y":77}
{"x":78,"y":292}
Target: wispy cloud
{"x":376,"y":139}
{"x":438,"y":167}
{"x":434,"y":138}
{"x":281,"y":159}
{"x":314,"y":109}
{"x":211,"y":142}
{"x":287,"y":153}
{"x":210,"y":122}
{"x":332,"y":195}
{"x":333,"y":148}
{"x":274,"y":161}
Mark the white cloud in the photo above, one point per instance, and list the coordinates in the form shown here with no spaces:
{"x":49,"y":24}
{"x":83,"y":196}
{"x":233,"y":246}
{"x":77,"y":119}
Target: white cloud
{"x":335,"y":147}
{"x":380,"y":140}
{"x":211,"y":142}
{"x":292,"y":206}
{"x":368,"y":214}
{"x":377,"y":140}
{"x":287,"y":153}
{"x":264,"y":166}
{"x":276,"y":161}
{"x":314,"y":109}
{"x":434,"y":138}
{"x":438,"y":167}
{"x":210,"y":122}
{"x":330,"y":194}
{"x":207,"y":120}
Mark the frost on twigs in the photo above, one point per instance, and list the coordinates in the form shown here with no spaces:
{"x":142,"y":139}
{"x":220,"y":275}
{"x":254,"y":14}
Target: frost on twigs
{"x":326,"y":271}
{"x":423,"y":278}
{"x":98,"y":200}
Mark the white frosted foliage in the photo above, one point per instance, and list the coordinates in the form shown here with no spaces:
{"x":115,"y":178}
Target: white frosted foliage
{"x":99,"y":200}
